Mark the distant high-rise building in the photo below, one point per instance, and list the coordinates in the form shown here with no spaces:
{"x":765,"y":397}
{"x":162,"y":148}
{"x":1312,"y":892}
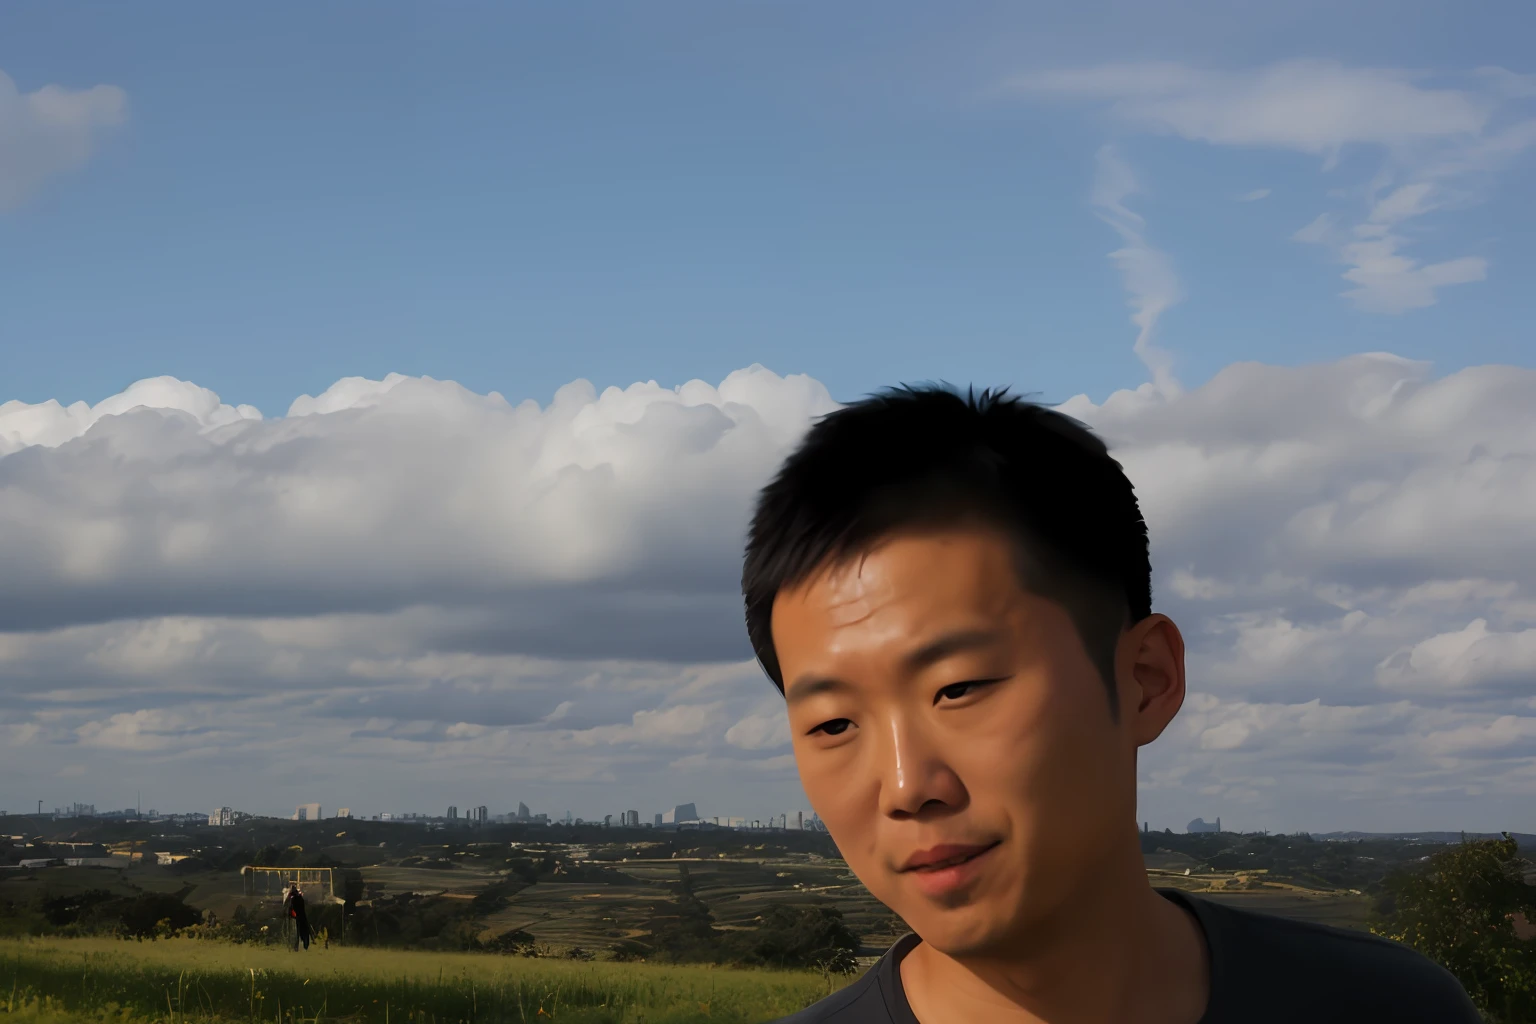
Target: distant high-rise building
{"x":679,"y":814}
{"x":800,"y":820}
{"x":345,"y":812}
{"x":607,"y":821}
{"x":522,"y":812}
{"x":453,"y":813}
{"x":658,"y":821}
{"x":222,"y":816}
{"x":632,"y":818}
{"x":482,"y":814}
{"x":304,"y":812}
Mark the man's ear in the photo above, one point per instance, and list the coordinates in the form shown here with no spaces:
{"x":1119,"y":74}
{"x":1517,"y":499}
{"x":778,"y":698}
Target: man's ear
{"x":1151,"y":676}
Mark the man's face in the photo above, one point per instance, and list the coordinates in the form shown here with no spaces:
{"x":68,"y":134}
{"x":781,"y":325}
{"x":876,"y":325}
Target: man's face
{"x":935,"y":703}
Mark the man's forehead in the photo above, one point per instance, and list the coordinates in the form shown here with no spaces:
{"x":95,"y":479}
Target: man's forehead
{"x":850,"y":592}
{"x":905,"y":613}
{"x":907,"y":572}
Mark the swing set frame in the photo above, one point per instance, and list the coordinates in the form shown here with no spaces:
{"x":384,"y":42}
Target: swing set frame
{"x":272,"y":883}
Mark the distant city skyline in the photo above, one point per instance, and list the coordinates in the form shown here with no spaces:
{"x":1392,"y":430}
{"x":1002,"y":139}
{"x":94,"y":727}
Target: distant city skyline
{"x":791,"y":818}
{"x":790,"y":821}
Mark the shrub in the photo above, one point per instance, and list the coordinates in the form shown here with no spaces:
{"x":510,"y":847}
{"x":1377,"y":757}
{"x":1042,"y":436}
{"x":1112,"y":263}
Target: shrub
{"x":1458,"y":911}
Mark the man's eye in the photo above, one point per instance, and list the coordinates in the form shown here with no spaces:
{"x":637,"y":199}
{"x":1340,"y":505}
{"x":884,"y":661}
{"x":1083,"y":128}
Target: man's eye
{"x":954,"y":691}
{"x":836,"y":727}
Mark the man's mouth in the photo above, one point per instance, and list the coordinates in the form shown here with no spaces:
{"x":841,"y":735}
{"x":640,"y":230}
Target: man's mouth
{"x":944,"y":856}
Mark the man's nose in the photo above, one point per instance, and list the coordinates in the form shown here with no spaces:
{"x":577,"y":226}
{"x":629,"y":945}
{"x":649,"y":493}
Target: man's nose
{"x":914,"y":769}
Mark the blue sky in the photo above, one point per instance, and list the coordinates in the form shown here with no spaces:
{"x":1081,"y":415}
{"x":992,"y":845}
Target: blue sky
{"x":517,"y":195}
{"x":1186,"y":221}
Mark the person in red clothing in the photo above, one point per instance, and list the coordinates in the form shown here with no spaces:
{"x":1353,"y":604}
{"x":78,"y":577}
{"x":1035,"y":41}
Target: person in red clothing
{"x":293,"y":906}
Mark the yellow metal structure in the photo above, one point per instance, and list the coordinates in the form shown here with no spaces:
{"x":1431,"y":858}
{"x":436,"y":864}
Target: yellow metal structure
{"x":317,"y":884}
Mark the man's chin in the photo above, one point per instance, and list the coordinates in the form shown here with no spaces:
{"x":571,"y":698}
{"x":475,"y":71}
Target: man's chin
{"x":959,"y":932}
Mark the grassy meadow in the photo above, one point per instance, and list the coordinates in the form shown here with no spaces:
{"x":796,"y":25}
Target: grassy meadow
{"x":56,"y":980}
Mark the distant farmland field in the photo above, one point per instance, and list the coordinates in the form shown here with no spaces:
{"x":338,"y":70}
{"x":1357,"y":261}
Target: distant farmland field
{"x":595,"y":915}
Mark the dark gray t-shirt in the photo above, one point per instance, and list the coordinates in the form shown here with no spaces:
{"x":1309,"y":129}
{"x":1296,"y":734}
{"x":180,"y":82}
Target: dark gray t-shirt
{"x":1263,"y":969}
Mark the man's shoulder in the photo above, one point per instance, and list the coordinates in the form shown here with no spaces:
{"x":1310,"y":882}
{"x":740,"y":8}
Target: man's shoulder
{"x":1339,"y":969}
{"x":875,"y":998}
{"x":857,"y":1003}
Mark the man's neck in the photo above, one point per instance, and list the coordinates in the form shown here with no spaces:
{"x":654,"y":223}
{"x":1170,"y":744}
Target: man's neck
{"x":1116,"y":952}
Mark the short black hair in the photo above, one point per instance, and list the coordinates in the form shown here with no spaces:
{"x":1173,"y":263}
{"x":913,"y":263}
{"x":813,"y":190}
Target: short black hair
{"x":929,"y":456}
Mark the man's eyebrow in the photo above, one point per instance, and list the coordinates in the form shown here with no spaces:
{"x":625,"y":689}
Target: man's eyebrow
{"x":806,"y":687}
{"x":938,"y":649}
{"x":931,"y":653}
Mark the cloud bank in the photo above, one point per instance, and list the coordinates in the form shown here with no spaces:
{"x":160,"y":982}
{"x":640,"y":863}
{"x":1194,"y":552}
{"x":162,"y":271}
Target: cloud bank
{"x":404,"y":594}
{"x":378,"y":495}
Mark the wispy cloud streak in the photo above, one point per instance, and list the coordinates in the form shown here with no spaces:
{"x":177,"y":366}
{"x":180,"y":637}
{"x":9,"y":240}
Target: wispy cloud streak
{"x":1440,"y":141}
{"x":1151,"y":284}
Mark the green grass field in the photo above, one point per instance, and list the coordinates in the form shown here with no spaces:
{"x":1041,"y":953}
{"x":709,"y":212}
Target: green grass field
{"x":50,"y":981}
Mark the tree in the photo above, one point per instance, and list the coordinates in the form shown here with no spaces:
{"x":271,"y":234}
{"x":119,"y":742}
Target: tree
{"x":1459,"y":911}
{"x":806,"y":937}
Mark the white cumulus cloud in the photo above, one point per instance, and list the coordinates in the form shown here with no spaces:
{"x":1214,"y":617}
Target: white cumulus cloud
{"x":380,"y":495}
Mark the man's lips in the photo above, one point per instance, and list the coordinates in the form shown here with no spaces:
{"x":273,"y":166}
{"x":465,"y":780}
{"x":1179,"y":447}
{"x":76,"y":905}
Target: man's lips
{"x":945,"y":855}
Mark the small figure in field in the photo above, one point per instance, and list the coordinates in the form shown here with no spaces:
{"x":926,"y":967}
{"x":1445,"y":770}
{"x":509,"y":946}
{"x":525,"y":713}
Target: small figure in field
{"x":293,"y":905}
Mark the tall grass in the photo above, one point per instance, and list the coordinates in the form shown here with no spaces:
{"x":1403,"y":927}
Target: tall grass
{"x":48,"y":981}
